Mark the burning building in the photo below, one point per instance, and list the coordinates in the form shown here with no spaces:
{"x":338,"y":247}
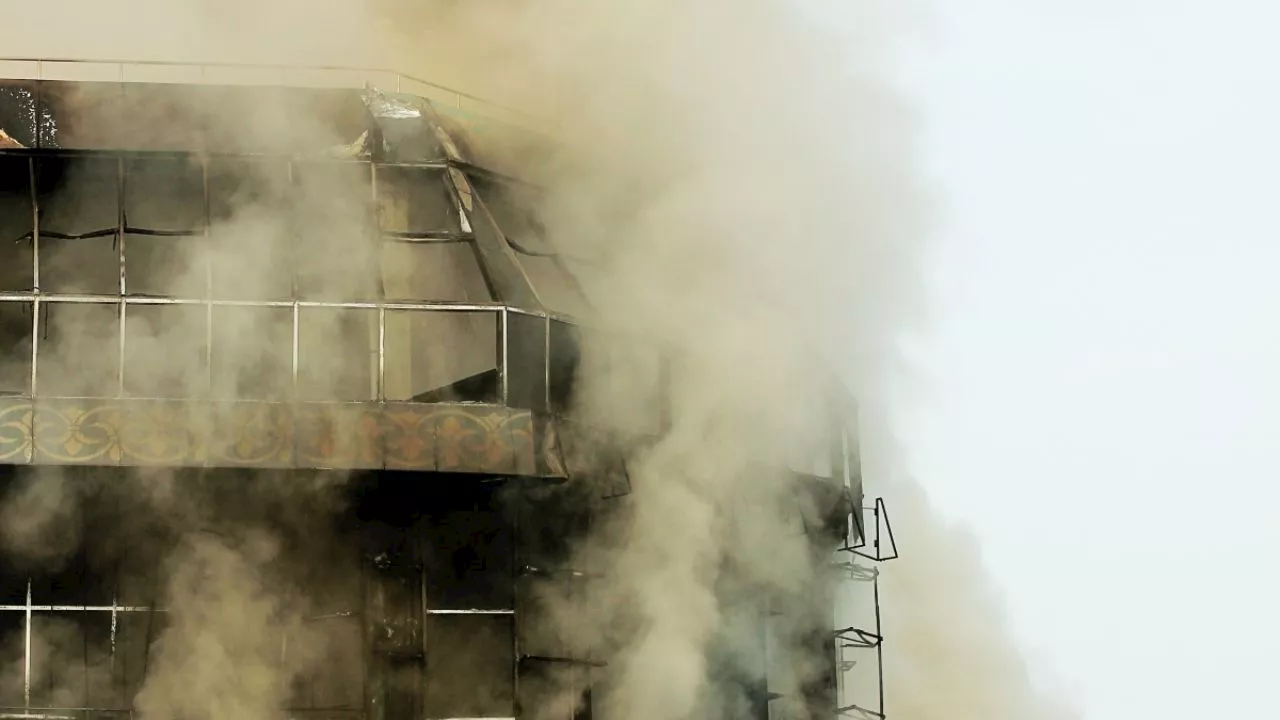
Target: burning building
{"x":312,"y":340}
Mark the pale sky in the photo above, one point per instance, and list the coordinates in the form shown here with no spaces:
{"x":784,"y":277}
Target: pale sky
{"x":1103,"y":372}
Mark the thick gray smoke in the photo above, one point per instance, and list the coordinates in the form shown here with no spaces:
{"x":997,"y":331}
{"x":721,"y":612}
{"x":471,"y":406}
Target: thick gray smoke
{"x":744,"y":186}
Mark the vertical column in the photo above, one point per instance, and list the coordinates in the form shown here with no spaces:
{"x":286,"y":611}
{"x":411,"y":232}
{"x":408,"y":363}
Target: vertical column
{"x":293,"y":283}
{"x":26,"y":655}
{"x":33,"y":175}
{"x":516,"y":570}
{"x":394,"y":642}
{"x":208,"y":276}
{"x":123,"y":289}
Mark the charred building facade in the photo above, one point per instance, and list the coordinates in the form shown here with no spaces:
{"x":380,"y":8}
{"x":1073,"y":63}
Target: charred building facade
{"x":332,"y":313}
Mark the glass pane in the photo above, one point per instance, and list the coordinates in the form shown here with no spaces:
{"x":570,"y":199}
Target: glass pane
{"x":79,"y":350}
{"x":527,"y":361}
{"x":15,"y":338}
{"x":16,"y":222}
{"x":252,"y":353}
{"x":166,"y":266}
{"x":433,"y":271}
{"x":250,"y":253}
{"x":438,"y":356}
{"x":78,"y":220}
{"x":235,"y":185}
{"x":470,"y":667}
{"x":337,"y":354}
{"x":164,"y":194}
{"x":335,"y":246}
{"x":415,"y":201}
{"x":565,"y":357}
{"x":165,"y":351}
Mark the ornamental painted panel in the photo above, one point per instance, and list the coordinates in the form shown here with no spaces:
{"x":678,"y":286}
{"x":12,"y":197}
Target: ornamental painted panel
{"x":252,"y":434}
{"x":461,"y":438}
{"x":78,"y":432}
{"x":339,"y":436}
{"x":15,"y":430}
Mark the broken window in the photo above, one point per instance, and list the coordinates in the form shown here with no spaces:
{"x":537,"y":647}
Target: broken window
{"x":78,"y":225}
{"x":441,"y":356}
{"x":164,"y":219}
{"x":17,"y":259}
{"x":415,"y":202}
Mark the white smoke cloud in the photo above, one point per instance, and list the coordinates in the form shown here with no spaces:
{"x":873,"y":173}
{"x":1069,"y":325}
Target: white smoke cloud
{"x":748,"y":186}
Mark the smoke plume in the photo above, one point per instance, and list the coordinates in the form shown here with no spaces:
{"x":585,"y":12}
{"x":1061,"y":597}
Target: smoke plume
{"x":742,"y":187}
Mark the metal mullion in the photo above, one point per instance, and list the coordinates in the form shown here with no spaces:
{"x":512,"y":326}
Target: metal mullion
{"x":470,"y":612}
{"x":380,"y":389}
{"x":546,"y":367}
{"x":208,"y":279}
{"x":442,"y":307}
{"x":504,"y":344}
{"x":293,"y":281}
{"x":123,"y":288}
{"x":26,"y":657}
{"x":515,"y":604}
{"x":433,"y":306}
{"x":294,"y":366}
{"x":35,"y":265}
{"x":382,"y":355}
{"x":80,"y":608}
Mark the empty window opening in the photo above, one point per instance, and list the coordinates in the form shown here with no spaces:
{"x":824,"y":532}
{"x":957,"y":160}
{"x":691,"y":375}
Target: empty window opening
{"x":442,"y":356}
{"x":79,"y":350}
